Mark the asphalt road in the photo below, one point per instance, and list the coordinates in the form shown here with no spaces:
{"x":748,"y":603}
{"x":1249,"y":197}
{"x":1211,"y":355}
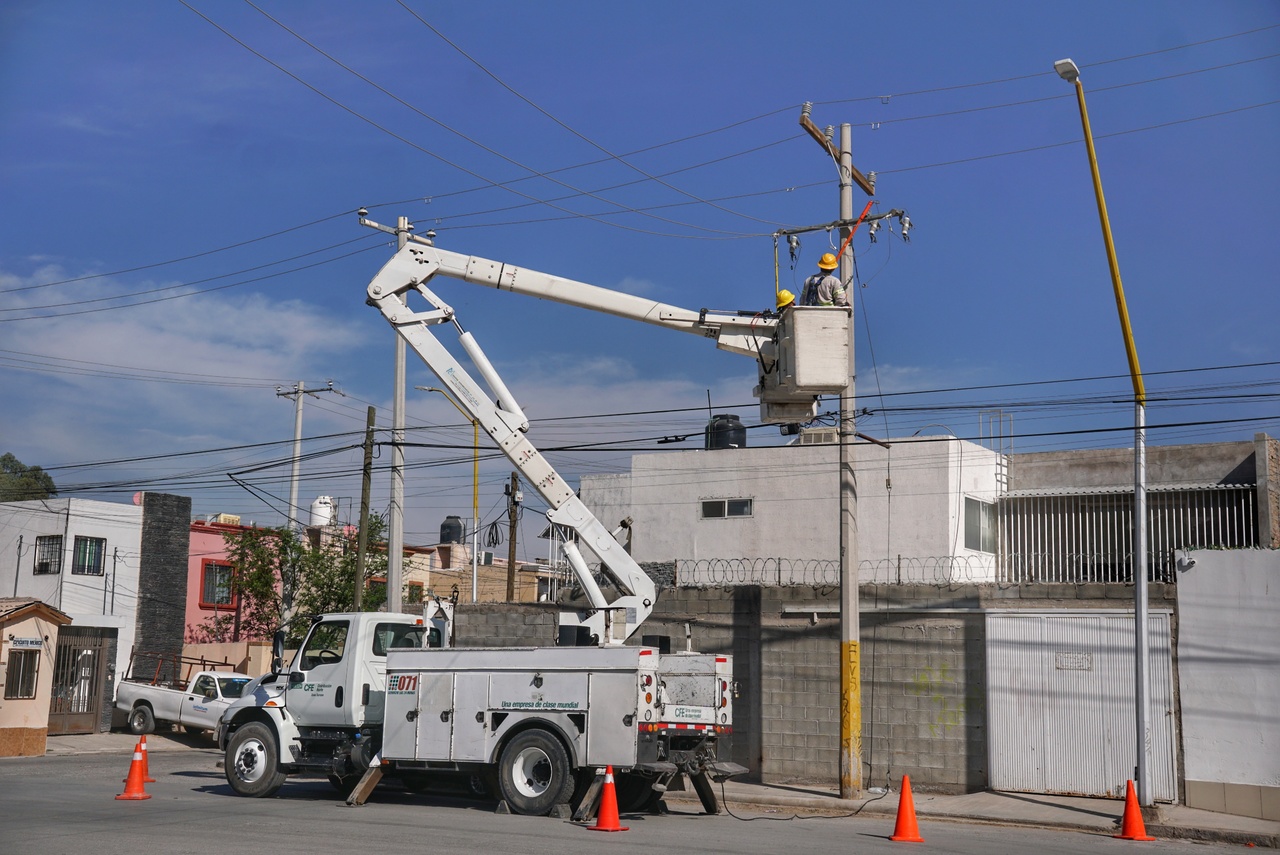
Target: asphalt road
{"x":67,"y":806}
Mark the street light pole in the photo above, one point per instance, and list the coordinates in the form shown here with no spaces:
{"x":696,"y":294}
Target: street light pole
{"x":475,"y":483}
{"x":1069,"y":72}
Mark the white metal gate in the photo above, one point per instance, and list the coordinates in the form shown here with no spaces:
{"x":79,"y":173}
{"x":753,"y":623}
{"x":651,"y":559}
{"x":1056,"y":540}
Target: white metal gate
{"x":1061,"y":703}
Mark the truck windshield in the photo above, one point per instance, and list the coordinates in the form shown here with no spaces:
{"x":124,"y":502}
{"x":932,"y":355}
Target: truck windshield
{"x":232,"y":687}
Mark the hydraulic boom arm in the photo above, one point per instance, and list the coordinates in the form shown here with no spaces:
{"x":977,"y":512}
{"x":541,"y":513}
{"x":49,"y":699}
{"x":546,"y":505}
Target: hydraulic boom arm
{"x":801,"y":354}
{"x":504,"y":421}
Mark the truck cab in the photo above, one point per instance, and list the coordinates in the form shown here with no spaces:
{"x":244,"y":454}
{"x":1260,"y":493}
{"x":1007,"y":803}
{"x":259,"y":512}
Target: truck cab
{"x":322,"y":715}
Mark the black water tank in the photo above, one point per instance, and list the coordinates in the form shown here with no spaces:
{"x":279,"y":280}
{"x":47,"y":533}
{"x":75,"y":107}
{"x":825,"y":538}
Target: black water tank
{"x":452,"y":529}
{"x":725,"y":431}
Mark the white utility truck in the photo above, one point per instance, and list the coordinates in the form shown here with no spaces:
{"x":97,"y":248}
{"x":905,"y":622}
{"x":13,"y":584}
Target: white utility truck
{"x":536,"y":723}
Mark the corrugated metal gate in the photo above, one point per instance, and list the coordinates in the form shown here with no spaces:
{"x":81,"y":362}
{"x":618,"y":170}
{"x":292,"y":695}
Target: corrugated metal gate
{"x":79,"y":679}
{"x":1061,"y":703}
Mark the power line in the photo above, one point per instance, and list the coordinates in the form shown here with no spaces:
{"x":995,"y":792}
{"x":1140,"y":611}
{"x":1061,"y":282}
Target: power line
{"x":190,"y":293}
{"x":611,"y":155}
{"x":82,"y":302}
{"x":192,"y":257}
{"x":385,"y":130}
{"x":496,"y":153}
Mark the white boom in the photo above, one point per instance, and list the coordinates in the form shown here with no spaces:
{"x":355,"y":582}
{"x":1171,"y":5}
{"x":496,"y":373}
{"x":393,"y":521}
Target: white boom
{"x":790,"y":381}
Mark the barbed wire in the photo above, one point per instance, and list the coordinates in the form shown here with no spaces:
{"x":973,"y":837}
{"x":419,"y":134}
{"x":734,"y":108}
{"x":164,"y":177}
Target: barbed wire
{"x":825,"y":573}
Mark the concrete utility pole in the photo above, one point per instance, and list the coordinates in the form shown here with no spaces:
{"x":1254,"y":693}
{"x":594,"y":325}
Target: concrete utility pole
{"x":513,"y":508}
{"x":395,"y":513}
{"x":296,"y":393}
{"x":850,"y":624}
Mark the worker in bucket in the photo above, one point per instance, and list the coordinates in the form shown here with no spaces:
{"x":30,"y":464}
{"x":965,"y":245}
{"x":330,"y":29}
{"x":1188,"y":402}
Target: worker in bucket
{"x":785,"y":299}
{"x":824,"y":288}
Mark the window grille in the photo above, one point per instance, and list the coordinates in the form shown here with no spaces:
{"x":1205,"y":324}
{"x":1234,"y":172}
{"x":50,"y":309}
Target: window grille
{"x":88,"y":557}
{"x":1088,"y":537}
{"x":20,"y":676}
{"x":215,"y":584}
{"x":48,"y":555}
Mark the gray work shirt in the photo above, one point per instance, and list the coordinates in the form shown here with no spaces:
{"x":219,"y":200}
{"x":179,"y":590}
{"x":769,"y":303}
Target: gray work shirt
{"x":823,"y":289}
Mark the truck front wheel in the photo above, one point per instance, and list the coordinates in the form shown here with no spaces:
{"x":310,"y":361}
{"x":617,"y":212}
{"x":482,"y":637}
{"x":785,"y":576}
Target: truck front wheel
{"x":534,"y":774}
{"x":141,"y":720}
{"x":252,"y":763}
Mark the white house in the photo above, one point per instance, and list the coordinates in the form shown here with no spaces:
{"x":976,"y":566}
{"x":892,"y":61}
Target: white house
{"x":80,"y":556}
{"x":925,"y":511}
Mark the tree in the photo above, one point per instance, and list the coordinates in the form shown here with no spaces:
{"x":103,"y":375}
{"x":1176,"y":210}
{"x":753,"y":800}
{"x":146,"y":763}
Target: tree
{"x":329,"y":585}
{"x":19,"y":483}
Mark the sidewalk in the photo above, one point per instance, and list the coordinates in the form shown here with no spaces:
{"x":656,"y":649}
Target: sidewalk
{"x":123,"y":743}
{"x":1100,"y":816}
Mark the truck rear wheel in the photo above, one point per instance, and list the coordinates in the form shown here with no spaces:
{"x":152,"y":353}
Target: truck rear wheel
{"x":534,"y":774}
{"x":252,"y":763}
{"x":141,"y":720}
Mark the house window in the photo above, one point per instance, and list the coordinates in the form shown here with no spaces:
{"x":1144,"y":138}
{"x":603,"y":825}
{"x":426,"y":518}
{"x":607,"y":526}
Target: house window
{"x":716,"y":509}
{"x":48,"y":555}
{"x":413,"y":593}
{"x":979,"y":526}
{"x":89,"y":554}
{"x":215,"y":585}
{"x":20,"y":677}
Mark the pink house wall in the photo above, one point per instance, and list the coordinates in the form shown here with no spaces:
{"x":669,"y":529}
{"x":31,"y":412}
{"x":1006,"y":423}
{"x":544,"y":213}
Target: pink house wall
{"x":207,"y":547}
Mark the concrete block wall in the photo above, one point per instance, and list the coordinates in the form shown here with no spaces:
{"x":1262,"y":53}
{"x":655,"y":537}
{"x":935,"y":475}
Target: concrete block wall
{"x":924,"y":700}
{"x":162,"y":579}
{"x":505,"y":625}
{"x":923,"y":668}
{"x":922,"y":663}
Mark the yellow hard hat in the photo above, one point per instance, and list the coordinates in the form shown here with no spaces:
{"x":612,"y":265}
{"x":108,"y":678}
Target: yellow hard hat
{"x":785,"y":298}
{"x":828,"y":262}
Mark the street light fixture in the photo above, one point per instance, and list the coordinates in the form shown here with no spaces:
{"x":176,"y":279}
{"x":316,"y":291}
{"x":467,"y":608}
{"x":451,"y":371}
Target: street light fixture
{"x":1069,"y":72}
{"x":475,"y":483}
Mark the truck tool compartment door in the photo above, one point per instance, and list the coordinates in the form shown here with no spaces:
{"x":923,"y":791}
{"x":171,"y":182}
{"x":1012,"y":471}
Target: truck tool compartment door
{"x":435,"y":716}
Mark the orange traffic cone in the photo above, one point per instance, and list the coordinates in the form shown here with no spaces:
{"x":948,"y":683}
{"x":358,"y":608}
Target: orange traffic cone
{"x":133,"y":789}
{"x":607,"y":818}
{"x":1132,"y":827}
{"x":906,"y":830}
{"x":146,"y":770}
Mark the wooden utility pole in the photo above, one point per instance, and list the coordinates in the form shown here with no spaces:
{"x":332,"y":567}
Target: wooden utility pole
{"x":365,"y":488}
{"x":513,"y":509}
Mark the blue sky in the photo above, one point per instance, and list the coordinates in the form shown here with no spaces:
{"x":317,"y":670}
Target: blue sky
{"x":202,"y":162}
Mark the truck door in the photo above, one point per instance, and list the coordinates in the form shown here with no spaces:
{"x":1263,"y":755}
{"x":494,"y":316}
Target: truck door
{"x":318,"y":694}
{"x":197,"y":708}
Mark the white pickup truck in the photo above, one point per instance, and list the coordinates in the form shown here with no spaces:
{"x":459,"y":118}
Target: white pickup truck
{"x":197,"y":707}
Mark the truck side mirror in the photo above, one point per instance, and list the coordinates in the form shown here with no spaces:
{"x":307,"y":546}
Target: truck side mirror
{"x":277,"y":652}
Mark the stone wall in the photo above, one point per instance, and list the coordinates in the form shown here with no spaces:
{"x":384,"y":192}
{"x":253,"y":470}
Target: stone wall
{"x":162,"y":578}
